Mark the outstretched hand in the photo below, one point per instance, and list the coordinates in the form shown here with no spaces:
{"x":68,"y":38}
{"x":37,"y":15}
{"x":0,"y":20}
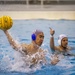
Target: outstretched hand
{"x":52,"y":31}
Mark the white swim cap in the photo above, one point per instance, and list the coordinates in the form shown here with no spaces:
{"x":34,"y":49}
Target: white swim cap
{"x":60,"y":38}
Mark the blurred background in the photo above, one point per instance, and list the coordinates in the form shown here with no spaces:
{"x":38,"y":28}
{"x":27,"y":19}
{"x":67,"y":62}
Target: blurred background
{"x":37,"y":2}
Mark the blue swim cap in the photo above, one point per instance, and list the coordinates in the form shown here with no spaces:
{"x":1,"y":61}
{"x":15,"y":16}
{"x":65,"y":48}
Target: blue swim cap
{"x":35,"y":33}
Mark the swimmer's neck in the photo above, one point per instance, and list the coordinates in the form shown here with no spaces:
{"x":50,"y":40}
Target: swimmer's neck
{"x":63,"y":48}
{"x":35,"y":45}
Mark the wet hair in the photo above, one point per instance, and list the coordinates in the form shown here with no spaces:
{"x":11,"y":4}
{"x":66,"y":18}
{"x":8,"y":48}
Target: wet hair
{"x":60,"y":38}
{"x":35,"y":33}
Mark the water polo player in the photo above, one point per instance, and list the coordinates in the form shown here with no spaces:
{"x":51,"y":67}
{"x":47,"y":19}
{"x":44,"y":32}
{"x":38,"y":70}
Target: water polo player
{"x":63,"y":47}
{"x":32,"y":48}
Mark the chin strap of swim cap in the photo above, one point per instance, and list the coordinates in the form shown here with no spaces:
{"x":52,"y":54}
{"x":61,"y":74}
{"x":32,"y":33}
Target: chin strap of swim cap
{"x":35,"y":33}
{"x":60,"y":38}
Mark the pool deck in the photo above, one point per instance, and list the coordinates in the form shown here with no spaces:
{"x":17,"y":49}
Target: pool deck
{"x":21,"y":11}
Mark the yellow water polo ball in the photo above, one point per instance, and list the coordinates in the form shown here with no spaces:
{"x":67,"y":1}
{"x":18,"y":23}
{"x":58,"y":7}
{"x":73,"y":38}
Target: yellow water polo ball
{"x":6,"y":22}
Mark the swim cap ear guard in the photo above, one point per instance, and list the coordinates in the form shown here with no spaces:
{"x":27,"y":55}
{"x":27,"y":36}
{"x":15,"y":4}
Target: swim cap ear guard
{"x":59,"y":42}
{"x":33,"y":36}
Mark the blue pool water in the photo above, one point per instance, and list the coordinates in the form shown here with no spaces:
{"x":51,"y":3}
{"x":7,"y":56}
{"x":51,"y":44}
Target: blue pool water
{"x":10,"y":63}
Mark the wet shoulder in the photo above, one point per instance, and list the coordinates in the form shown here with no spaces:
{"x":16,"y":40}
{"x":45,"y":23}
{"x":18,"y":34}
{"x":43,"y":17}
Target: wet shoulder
{"x":58,"y":48}
{"x":24,"y":47}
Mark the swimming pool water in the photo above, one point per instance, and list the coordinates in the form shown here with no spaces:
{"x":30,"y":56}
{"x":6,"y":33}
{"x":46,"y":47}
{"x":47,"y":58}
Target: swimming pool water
{"x":21,"y":31}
